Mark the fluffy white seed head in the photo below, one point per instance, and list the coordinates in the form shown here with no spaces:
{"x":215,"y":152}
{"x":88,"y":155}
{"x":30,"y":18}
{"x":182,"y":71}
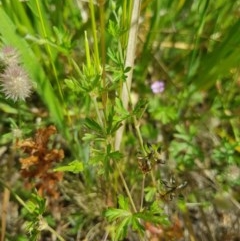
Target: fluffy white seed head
{"x":15,"y":83}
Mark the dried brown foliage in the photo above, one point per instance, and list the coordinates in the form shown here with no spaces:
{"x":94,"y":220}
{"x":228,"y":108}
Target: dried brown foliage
{"x":37,"y":167}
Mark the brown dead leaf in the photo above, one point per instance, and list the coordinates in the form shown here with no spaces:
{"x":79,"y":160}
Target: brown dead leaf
{"x":37,"y":167}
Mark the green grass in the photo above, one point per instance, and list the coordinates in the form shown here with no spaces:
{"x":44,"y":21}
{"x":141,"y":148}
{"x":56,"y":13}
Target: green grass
{"x":134,"y":161}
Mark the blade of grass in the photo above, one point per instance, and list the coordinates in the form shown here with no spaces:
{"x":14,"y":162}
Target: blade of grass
{"x":221,"y":60}
{"x":10,"y":37}
{"x":94,"y":27}
{"x":194,"y":59}
{"x":103,"y":52}
{"x":45,"y":33}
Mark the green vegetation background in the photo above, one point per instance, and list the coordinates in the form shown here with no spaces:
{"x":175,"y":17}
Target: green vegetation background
{"x":76,"y":54}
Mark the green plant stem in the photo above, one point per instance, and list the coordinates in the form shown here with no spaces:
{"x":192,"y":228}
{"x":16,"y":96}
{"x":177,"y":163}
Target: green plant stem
{"x":103,"y":53}
{"x":88,"y":60}
{"x":49,"y":49}
{"x":94,"y":27}
{"x":126,"y":188}
{"x":94,"y":99}
{"x":139,"y":136}
{"x":227,"y":104}
{"x":51,"y":230}
{"x":42,"y":221}
{"x":136,"y":124}
{"x":87,"y":51}
{"x":16,"y":196}
{"x":142,"y":191}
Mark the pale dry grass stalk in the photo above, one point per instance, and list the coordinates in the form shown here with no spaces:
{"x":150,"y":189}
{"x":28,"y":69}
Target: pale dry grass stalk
{"x":5,"y":204}
{"x":129,"y":62}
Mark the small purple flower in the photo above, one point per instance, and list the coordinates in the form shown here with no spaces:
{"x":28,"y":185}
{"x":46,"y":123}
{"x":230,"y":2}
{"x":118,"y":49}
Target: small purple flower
{"x":157,"y":87}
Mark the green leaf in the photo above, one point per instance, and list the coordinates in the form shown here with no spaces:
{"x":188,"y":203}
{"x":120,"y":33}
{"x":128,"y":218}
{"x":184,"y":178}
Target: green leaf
{"x":113,"y":214}
{"x":127,"y":69}
{"x":122,"y":112}
{"x":8,"y":109}
{"x":122,"y":216}
{"x":114,"y":120}
{"x":89,"y":137}
{"x":116,"y":155}
{"x":74,"y":166}
{"x":154,"y":215}
{"x":72,"y":84}
{"x":123,"y":202}
{"x":35,"y":206}
{"x":136,"y":225}
{"x":150,"y":193}
{"x":114,"y":29}
{"x":160,"y":111}
{"x":93,"y":125}
{"x":122,"y":228}
{"x":114,"y":56}
{"x":140,"y":108}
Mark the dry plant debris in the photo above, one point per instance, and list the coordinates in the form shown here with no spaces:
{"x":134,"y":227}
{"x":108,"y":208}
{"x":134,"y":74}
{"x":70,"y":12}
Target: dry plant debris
{"x":36,"y":168}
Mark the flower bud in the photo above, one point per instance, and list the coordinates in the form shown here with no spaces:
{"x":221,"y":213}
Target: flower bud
{"x":9,"y":55}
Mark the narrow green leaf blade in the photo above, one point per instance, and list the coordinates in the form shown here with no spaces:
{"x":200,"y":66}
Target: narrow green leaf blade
{"x":32,"y":65}
{"x":74,"y":166}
